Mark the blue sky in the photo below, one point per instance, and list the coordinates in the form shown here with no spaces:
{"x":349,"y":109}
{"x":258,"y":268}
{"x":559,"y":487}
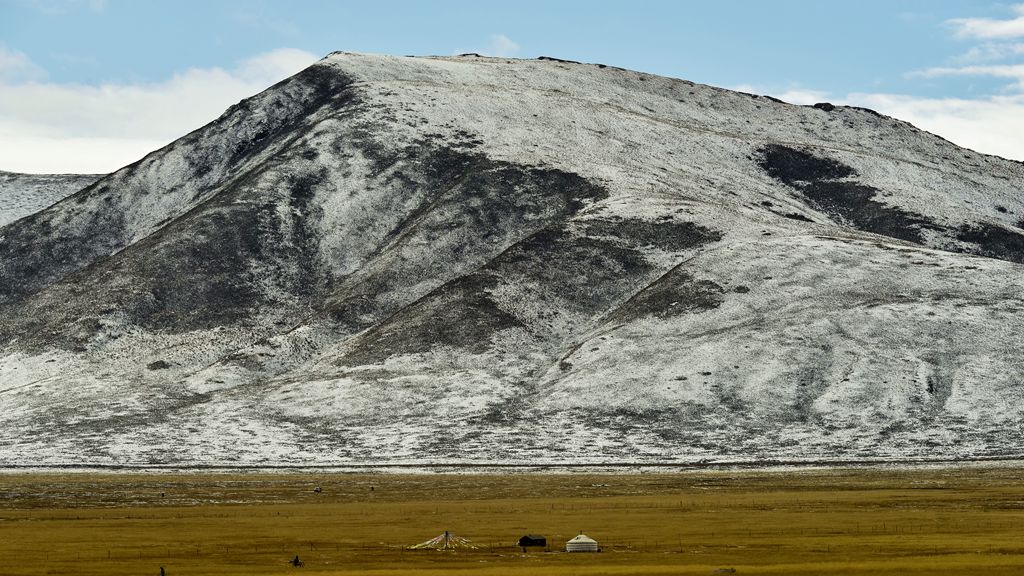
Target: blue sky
{"x":90,"y":85}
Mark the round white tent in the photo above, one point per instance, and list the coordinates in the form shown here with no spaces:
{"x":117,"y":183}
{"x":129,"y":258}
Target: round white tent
{"x":581,"y":543}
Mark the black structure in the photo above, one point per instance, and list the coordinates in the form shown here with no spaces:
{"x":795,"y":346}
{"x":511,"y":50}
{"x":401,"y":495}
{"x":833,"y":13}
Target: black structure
{"x":533,"y":540}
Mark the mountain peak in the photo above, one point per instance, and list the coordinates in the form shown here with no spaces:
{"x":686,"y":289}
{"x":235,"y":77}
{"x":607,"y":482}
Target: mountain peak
{"x":471,"y":259}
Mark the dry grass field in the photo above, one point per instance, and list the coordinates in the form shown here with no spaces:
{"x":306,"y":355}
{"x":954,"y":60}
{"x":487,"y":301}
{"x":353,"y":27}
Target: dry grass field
{"x":865,"y":521}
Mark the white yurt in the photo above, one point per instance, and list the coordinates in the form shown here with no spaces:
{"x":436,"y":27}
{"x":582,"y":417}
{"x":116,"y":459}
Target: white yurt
{"x":582,"y":543}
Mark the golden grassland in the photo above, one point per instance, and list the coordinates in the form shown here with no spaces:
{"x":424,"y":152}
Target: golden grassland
{"x":857,"y":521}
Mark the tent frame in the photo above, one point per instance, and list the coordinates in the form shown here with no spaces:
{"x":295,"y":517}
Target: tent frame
{"x":446,"y":541}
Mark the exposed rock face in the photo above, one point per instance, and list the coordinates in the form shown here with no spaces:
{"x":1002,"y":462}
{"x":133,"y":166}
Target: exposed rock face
{"x":407,"y":260}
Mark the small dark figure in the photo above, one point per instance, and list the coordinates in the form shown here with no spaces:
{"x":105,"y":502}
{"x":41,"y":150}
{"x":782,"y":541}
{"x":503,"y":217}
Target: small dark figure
{"x":317,"y":489}
{"x":296,"y":562}
{"x":162,"y":571}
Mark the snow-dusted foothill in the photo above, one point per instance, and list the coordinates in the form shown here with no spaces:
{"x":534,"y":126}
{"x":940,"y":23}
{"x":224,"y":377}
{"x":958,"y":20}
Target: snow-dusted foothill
{"x":24,"y":194}
{"x":388,"y":260}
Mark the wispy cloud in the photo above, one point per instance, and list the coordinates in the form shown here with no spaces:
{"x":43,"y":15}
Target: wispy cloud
{"x":258,"y":17}
{"x":989,"y":28}
{"x":60,"y":7}
{"x":1000,"y":54}
{"x":990,"y":52}
{"x":50,"y":127}
{"x":1009,"y":71}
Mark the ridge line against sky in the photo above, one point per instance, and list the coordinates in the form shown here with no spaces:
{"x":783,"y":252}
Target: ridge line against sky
{"x":89,"y":86}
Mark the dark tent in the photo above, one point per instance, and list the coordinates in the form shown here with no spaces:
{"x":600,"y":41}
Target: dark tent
{"x":533,"y":540}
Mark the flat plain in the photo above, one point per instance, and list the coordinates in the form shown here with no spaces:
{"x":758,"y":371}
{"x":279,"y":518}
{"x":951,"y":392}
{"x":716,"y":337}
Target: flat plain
{"x":965,"y":520}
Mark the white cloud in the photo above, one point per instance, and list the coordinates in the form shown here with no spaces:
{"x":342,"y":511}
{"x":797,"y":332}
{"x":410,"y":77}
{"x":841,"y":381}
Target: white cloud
{"x":987,"y":28}
{"x":16,"y":66}
{"x":503,"y":46}
{"x":790,"y":95}
{"x":273,"y":66}
{"x":802,"y":96}
{"x":49,"y":127}
{"x":498,"y":45}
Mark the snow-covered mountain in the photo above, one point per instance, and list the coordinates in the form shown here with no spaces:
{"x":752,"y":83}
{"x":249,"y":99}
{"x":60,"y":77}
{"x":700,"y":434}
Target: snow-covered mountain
{"x":23,"y":194}
{"x":466,"y":259}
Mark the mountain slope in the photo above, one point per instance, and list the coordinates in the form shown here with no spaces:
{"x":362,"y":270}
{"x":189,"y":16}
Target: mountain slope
{"x":486,"y":260}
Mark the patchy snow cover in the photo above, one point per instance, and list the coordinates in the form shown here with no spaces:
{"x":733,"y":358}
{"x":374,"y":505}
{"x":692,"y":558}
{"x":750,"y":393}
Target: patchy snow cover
{"x":412,"y":261}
